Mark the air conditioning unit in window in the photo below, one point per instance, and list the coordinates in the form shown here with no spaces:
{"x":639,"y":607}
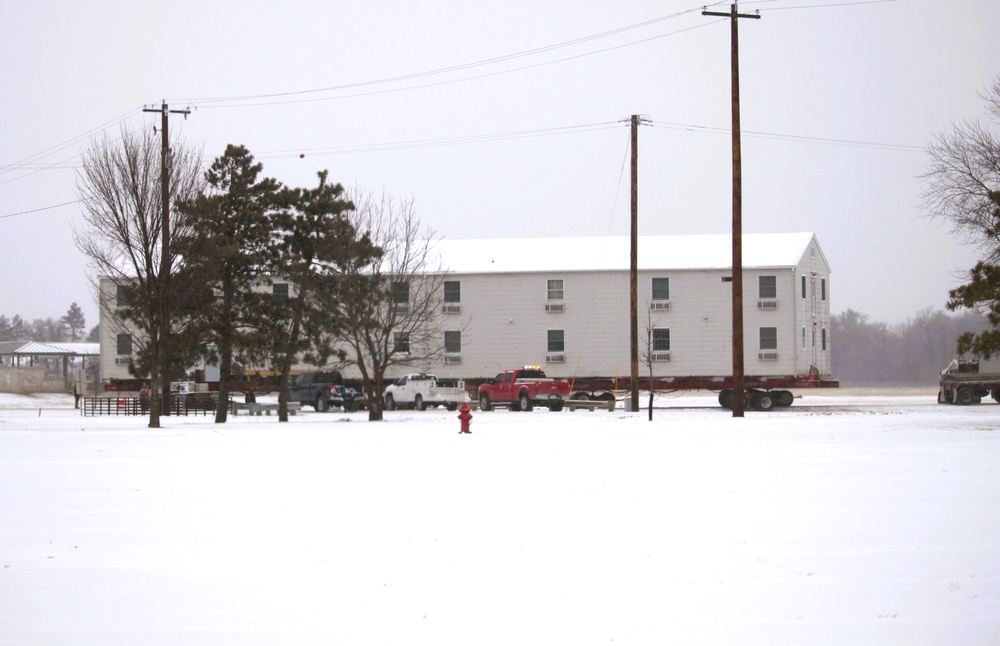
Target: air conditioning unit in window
{"x":557,"y":357}
{"x":768,"y":304}
{"x":659,"y":305}
{"x":450,"y":359}
{"x":121,"y":361}
{"x":554,"y":307}
{"x":661,"y":356}
{"x":768,"y":356}
{"x":451,"y":308}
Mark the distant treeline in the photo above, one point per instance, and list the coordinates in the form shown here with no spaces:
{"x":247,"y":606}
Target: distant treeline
{"x":865,"y":353}
{"x":67,"y":328}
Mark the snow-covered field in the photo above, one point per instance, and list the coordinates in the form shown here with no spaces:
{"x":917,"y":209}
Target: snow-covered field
{"x":852,"y":517}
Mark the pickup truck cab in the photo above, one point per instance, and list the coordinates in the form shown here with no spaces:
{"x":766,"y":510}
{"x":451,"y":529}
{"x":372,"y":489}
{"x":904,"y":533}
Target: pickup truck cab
{"x":522,"y":390}
{"x":321,"y":390}
{"x":421,"y":390}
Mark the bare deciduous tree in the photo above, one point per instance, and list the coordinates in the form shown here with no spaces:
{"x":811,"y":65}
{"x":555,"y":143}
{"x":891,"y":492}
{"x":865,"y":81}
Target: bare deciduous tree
{"x":120,"y":188}
{"x":389,"y":312}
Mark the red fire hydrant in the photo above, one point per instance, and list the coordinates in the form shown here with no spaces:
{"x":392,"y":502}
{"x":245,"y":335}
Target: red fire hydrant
{"x":465,"y":417}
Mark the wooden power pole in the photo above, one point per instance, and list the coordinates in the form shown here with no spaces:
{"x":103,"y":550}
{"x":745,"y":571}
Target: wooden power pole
{"x":738,"y":372}
{"x":635,"y":120}
{"x":165,"y":113}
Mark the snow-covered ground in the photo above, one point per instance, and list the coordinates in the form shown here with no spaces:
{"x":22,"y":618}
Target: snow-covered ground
{"x":853,"y":517}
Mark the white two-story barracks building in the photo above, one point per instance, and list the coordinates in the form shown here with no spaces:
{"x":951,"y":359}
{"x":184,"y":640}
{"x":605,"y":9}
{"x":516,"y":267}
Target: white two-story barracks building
{"x":563,"y":304}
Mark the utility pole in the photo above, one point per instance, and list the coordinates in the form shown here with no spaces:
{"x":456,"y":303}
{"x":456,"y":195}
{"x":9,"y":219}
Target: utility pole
{"x":165,"y":113}
{"x":635,"y":120}
{"x":738,"y":373}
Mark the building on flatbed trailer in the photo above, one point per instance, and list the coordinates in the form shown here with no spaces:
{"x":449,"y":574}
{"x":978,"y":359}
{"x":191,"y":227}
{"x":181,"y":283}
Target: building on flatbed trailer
{"x":564,"y":304}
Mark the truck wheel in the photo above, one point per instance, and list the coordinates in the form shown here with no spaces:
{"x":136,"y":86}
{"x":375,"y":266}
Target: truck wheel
{"x":390,"y":403}
{"x":321,"y":405}
{"x":996,"y":395}
{"x":726,"y":398}
{"x":452,"y":406}
{"x":484,"y":402}
{"x":418,"y":403}
{"x":763,"y":401}
{"x":784,"y":398}
{"x":525,"y":401}
{"x":965,"y":396}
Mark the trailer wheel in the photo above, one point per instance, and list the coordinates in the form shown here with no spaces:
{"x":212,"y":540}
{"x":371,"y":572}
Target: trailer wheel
{"x":452,"y":406}
{"x":726,"y":398}
{"x":996,"y":395}
{"x":763,"y":401}
{"x":784,"y":398}
{"x":484,"y":402}
{"x":965,"y":396}
{"x":525,"y":401}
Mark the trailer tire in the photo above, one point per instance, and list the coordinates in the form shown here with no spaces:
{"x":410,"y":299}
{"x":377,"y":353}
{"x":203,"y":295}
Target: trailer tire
{"x":784,"y":398}
{"x":763,"y":401}
{"x":996,"y":395}
{"x":452,"y":406}
{"x":484,"y":402}
{"x":524,"y":401}
{"x":965,"y":396}
{"x":726,"y":398}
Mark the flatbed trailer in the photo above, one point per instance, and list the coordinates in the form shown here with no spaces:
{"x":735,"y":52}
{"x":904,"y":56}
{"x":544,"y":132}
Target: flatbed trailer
{"x":760,"y":392}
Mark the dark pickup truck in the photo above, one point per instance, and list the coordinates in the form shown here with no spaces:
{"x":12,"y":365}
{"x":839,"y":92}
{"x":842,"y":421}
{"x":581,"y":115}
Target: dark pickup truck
{"x":321,"y":390}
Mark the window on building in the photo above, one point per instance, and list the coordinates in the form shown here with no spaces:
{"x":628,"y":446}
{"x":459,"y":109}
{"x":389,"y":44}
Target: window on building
{"x":554,"y":289}
{"x":661,"y":289}
{"x":768,"y":286}
{"x":124,"y":345}
{"x":803,"y":337}
{"x":823,"y":337}
{"x":822,"y":287}
{"x":121,"y":300}
{"x":280,"y":291}
{"x":452,"y":291}
{"x":453,"y":341}
{"x":768,"y":338}
{"x":661,"y":340}
{"x":803,"y":288}
{"x":400,"y":293}
{"x":556,"y":341}
{"x":400,"y":343}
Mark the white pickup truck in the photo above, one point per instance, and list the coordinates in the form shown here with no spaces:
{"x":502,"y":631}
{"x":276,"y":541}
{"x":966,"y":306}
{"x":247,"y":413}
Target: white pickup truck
{"x":421,"y":390}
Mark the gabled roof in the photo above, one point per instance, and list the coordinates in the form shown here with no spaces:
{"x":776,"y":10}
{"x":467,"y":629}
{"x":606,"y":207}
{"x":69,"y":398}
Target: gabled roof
{"x":39,"y":349}
{"x":516,"y":255}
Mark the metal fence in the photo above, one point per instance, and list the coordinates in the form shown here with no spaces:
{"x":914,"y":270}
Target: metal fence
{"x":180,"y":404}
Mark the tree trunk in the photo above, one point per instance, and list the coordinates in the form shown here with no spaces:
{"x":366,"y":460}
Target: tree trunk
{"x":225,"y":367}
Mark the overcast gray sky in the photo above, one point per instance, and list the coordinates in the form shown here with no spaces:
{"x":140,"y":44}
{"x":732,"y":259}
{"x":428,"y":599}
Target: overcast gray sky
{"x":507,"y":119}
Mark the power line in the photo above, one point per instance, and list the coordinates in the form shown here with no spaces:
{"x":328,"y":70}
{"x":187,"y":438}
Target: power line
{"x":44,"y":208}
{"x":785,"y":137}
{"x":456,"y":68}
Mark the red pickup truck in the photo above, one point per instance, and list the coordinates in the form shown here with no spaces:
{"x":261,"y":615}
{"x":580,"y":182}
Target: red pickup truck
{"x":522,"y":390}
